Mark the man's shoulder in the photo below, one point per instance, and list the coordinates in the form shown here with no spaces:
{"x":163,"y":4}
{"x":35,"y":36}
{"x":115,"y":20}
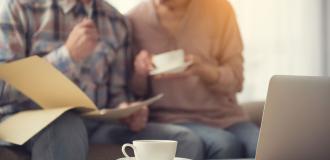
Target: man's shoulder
{"x":26,"y":3}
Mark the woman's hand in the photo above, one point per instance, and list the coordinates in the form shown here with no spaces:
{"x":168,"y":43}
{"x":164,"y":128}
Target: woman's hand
{"x":137,"y":121}
{"x":205,"y":69}
{"x":143,"y":63}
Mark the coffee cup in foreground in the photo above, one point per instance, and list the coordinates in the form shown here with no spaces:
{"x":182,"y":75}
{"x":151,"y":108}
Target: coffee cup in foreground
{"x":152,"y":149}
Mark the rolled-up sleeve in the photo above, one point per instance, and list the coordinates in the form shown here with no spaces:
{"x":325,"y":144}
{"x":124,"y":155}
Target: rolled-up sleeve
{"x":61,"y":59}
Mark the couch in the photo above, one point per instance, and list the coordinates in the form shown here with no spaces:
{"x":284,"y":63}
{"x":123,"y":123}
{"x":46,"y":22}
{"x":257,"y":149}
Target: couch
{"x":110,"y":152}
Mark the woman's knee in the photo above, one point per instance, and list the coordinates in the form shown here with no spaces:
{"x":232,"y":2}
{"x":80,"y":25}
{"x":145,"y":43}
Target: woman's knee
{"x":224,"y":145}
{"x":191,"y":145}
{"x":185,"y":135}
{"x":231,"y":145}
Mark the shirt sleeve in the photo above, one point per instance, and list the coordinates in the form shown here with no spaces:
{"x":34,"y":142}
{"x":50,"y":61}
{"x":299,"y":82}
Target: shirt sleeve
{"x":61,"y":59}
{"x":230,"y":58}
{"x":12,"y":44}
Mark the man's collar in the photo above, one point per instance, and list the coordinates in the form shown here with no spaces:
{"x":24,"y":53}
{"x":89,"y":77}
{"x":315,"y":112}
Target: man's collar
{"x":67,"y":5}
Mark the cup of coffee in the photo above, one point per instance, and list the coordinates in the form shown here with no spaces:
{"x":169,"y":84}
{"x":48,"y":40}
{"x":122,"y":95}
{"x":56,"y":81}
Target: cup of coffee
{"x":152,"y":149}
{"x":169,"y":59}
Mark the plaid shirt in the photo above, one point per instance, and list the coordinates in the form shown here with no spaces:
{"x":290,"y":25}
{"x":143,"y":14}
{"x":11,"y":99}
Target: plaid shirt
{"x":41,"y":27}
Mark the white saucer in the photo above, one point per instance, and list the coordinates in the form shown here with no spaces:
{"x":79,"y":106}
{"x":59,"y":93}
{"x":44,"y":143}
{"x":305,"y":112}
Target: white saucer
{"x":132,"y":158}
{"x":176,"y":69}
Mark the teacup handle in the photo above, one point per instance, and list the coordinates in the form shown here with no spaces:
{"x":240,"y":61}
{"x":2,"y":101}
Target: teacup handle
{"x":123,"y":149}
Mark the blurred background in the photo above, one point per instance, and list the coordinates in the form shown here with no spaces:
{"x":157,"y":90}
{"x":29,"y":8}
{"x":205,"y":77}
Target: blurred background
{"x":286,"y":37}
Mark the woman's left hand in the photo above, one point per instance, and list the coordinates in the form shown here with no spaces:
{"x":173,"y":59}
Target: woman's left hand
{"x":206,"y":70}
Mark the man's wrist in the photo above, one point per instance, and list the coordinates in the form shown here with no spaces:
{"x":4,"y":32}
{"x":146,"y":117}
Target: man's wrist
{"x":70,"y":53}
{"x":61,"y":54}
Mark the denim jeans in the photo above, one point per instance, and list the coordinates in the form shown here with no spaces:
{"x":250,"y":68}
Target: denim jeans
{"x":66,"y":138}
{"x":189,"y":144}
{"x":237,"y":141}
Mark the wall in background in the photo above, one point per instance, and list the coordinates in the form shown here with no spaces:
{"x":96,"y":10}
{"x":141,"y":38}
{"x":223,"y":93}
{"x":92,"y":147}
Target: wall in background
{"x":326,"y":12}
{"x":280,"y":37}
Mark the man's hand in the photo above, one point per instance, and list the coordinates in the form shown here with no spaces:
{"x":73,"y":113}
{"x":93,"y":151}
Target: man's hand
{"x":82,"y":40}
{"x":138,"y":120}
{"x":143,"y":63}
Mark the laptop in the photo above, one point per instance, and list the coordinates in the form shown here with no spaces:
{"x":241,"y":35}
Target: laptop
{"x":296,"y":120}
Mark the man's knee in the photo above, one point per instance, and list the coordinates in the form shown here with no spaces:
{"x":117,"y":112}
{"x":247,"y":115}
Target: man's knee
{"x":70,"y":122}
{"x":65,"y":138}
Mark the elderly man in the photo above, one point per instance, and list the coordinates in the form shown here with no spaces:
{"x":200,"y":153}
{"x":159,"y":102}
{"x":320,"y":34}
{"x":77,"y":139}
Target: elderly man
{"x":89,"y":42}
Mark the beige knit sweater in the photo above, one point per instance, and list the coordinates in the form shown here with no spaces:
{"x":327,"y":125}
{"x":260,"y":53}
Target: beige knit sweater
{"x":209,"y":29}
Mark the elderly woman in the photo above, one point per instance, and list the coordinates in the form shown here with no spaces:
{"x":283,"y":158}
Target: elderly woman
{"x":203,"y":98}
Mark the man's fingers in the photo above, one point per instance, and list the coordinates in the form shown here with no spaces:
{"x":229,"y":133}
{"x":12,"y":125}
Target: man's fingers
{"x":137,"y":125}
{"x":87,"y":31}
{"x":125,"y":120}
{"x":91,"y":37}
{"x":87,"y":22}
{"x":139,"y":121}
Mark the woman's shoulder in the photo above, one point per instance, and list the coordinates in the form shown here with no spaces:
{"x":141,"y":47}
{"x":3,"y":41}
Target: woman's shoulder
{"x":141,"y":9}
{"x":220,"y":5}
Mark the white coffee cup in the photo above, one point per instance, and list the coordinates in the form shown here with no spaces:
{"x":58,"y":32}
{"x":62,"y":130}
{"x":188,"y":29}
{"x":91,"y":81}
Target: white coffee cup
{"x":152,"y":149}
{"x":169,"y":59}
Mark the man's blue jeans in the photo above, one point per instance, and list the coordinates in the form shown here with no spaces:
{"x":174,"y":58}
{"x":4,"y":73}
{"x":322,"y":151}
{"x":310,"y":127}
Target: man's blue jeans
{"x":189,"y":144}
{"x":66,"y":138}
{"x":237,"y":141}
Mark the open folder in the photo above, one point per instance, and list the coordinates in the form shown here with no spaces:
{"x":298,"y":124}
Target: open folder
{"x":55,"y":94}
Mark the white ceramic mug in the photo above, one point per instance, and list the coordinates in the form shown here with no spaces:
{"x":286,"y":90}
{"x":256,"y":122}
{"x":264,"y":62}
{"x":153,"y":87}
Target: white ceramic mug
{"x":152,"y":149}
{"x":169,"y":59}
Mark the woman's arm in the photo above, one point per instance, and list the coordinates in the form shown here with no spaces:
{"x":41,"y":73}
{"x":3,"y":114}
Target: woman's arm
{"x":226,"y":74}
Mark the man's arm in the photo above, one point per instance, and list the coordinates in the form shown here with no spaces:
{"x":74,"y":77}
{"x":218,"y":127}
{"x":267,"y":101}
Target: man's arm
{"x":12,"y":46}
{"x":80,"y":44}
{"x":13,"y":28}
{"x":13,"y":38}
{"x":13,"y":41}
